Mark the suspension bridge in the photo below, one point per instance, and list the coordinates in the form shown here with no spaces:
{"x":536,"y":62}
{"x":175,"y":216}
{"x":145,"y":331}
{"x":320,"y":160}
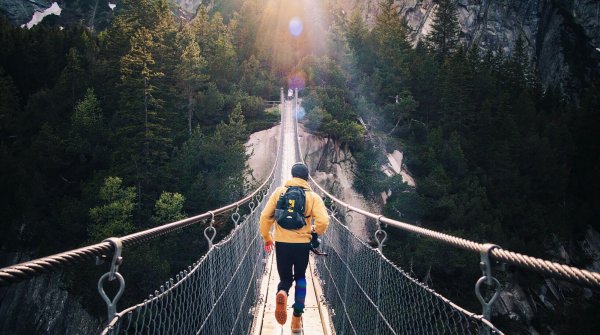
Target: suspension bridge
{"x":354,"y":290}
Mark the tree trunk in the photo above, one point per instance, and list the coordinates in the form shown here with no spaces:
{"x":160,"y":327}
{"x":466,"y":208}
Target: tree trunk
{"x":146,"y":146}
{"x":189,"y":106}
{"x":396,"y":125}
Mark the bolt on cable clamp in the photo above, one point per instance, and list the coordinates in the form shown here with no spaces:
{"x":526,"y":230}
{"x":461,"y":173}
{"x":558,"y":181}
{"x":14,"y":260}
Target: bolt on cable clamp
{"x":111,"y":275}
{"x":378,"y":232}
{"x":489,"y":280}
{"x":235,"y":216}
{"x":485,"y":263}
{"x":211,"y":229}
{"x":117,"y":260}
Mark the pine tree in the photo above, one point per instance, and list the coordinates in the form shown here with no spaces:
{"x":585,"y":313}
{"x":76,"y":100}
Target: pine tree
{"x":519,"y":75}
{"x":168,"y":208}
{"x":457,"y":93}
{"x":72,"y":77}
{"x":405,"y":105}
{"x":393,"y":50}
{"x":211,"y":104}
{"x":215,"y":40}
{"x":245,"y":29}
{"x":144,"y":138}
{"x":357,"y":35}
{"x":254,"y":79}
{"x":87,"y":128}
{"x":190,"y":70}
{"x":443,"y":38}
{"x":114,"y":217}
{"x":9,"y":107}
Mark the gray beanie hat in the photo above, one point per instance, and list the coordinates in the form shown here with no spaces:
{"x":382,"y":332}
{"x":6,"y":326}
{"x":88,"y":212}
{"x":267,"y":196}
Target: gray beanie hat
{"x":300,"y":170}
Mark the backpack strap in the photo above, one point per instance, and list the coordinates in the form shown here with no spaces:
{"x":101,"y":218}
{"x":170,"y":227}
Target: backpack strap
{"x":305,"y":190}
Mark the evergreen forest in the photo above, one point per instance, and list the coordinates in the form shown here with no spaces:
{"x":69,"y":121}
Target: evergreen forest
{"x":104,"y":133}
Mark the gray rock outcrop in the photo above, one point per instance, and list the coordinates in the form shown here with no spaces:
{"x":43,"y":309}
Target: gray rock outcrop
{"x":334,"y":168}
{"x":42,"y":306}
{"x":563,"y":37}
{"x":20,"y":12}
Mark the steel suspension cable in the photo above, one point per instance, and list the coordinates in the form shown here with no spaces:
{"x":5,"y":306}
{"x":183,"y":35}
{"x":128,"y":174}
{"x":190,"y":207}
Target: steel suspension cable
{"x":27,"y":270}
{"x":369,"y":294}
{"x":562,"y":271}
{"x":216,"y":294}
{"x":570,"y":273}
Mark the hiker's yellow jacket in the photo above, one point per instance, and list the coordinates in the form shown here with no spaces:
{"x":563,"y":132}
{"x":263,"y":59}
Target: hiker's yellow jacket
{"x":314,"y":209}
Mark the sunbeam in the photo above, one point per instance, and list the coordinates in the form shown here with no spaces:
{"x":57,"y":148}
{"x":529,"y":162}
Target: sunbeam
{"x":290,"y":30}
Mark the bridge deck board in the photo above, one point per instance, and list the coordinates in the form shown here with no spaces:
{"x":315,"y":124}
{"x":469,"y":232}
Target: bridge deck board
{"x":316,"y":319}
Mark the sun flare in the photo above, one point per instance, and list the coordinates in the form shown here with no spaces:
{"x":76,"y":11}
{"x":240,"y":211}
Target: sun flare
{"x":290,"y":30}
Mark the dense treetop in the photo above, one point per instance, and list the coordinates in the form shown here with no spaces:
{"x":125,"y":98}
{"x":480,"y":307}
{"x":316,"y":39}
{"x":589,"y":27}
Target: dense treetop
{"x":108,"y":132}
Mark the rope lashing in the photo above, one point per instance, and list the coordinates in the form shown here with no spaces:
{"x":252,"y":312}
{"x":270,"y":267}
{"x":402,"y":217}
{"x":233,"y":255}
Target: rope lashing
{"x":333,"y":208}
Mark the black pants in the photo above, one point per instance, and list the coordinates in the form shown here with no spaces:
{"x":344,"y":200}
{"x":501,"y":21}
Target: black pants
{"x":292,"y":261}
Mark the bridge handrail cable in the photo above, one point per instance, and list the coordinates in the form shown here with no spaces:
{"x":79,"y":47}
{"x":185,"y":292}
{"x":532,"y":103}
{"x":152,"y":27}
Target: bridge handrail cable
{"x":27,"y":270}
{"x":415,"y":281}
{"x":569,"y":273}
{"x":390,"y":313}
{"x":213,"y":277}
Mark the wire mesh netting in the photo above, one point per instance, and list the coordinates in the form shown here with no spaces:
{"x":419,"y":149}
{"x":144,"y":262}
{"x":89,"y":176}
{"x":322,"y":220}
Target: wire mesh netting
{"x":368,"y":294}
{"x":214,"y":296}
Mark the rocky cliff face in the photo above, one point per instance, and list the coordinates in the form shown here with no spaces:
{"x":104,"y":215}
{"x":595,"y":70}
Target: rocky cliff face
{"x":95,"y":14}
{"x":334,"y":168}
{"x":261,"y":149}
{"x":42,"y":306}
{"x":20,"y":12}
{"x":563,"y":36}
{"x":549,"y":306}
{"x":492,"y":23}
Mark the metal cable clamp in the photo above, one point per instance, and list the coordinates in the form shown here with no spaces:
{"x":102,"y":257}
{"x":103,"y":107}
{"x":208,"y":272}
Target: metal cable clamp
{"x":489,"y":280}
{"x":111,"y":275}
{"x":211,"y":229}
{"x":235,"y":216}
{"x":349,"y":218}
{"x":333,"y":208}
{"x":378,"y":232}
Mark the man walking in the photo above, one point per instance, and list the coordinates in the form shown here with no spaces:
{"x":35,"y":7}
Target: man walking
{"x":291,"y":208}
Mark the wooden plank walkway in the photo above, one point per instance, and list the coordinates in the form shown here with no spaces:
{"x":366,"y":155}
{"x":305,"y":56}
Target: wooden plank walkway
{"x":316,"y":317}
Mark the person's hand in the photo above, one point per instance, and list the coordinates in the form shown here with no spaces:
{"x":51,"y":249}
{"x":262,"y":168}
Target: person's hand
{"x":269,"y":246}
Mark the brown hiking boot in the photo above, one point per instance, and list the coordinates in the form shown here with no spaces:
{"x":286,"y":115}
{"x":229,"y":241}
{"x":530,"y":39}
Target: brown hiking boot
{"x":296,"y":324}
{"x":281,"y":307}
